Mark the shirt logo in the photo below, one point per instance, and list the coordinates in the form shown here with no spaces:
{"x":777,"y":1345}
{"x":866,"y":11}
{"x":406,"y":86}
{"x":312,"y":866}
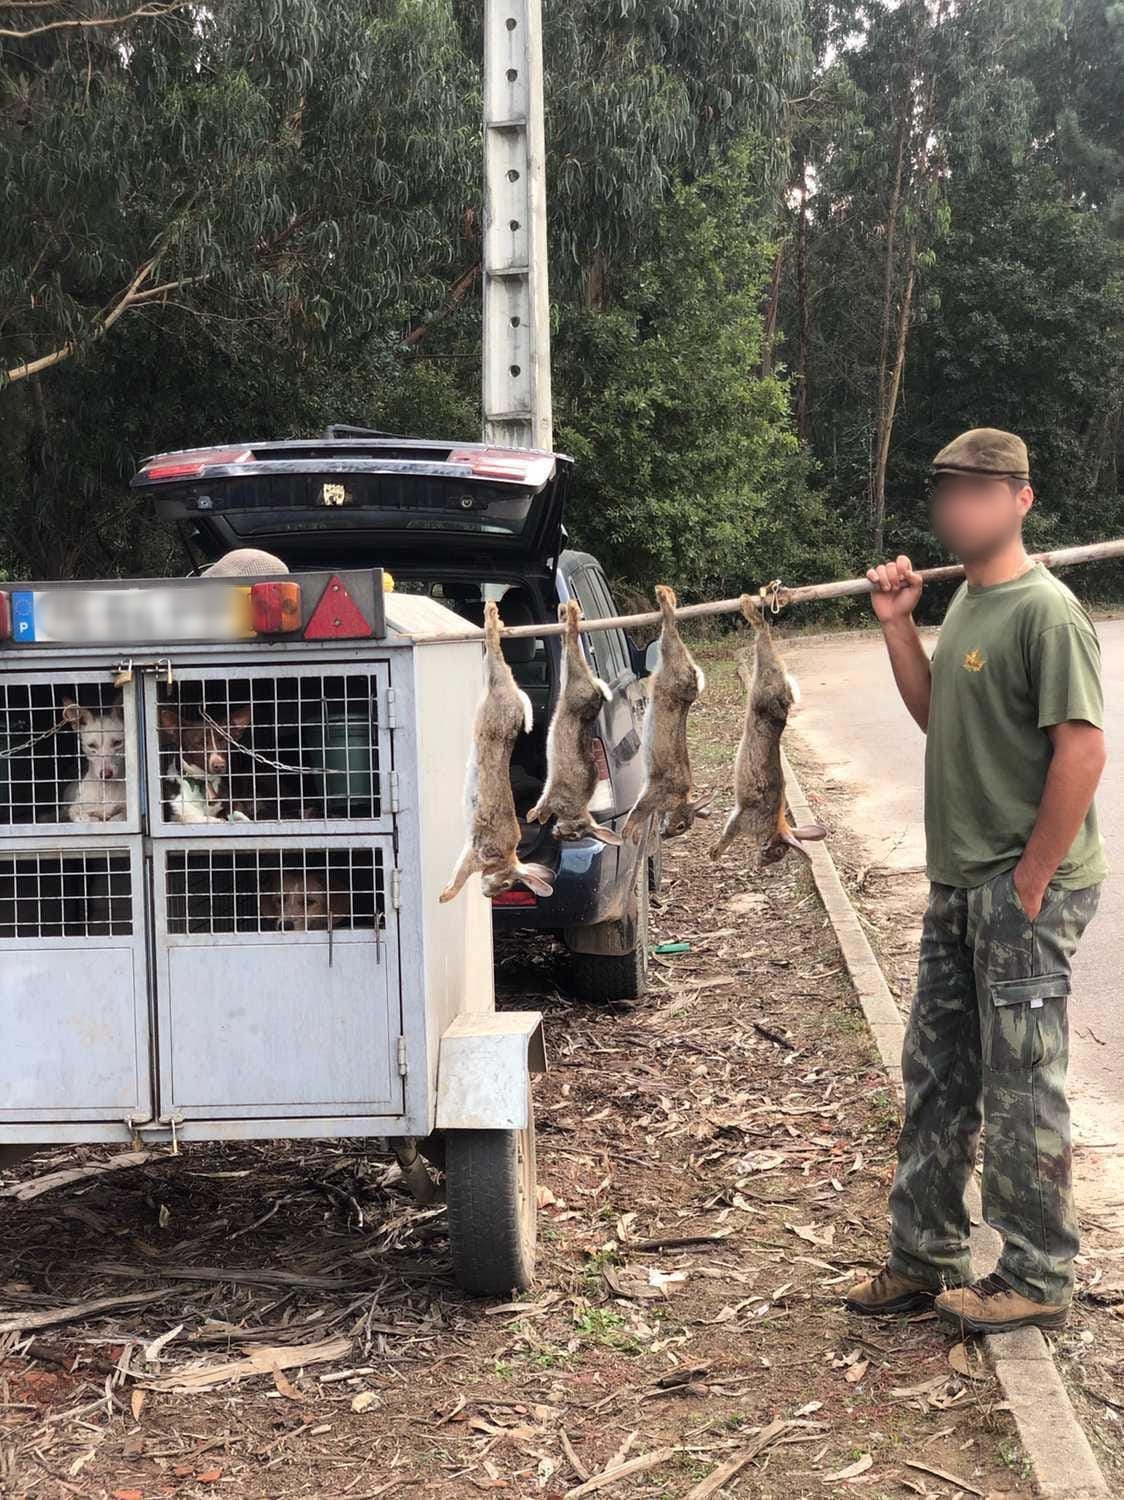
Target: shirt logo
{"x":973,"y":661}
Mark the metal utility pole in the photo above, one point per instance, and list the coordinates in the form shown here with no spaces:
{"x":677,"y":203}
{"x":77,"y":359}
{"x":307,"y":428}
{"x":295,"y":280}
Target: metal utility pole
{"x":516,"y":380}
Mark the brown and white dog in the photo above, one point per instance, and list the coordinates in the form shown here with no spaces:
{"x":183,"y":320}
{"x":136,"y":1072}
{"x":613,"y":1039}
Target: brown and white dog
{"x":302,"y":901}
{"x":198,"y":763}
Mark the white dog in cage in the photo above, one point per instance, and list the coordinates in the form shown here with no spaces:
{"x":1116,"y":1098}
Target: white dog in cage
{"x":99,"y":796}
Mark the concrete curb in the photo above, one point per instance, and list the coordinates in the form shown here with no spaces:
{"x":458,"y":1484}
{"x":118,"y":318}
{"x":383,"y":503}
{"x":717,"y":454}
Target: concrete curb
{"x":1065,"y":1466}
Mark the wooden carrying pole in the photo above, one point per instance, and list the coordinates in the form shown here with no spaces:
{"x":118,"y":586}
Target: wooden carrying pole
{"x":841,"y":589}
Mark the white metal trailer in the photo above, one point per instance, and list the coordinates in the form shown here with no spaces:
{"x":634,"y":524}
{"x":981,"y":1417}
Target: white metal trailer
{"x":286,"y":973}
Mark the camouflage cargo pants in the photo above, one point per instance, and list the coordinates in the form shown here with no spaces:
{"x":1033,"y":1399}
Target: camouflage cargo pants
{"x":988,"y":1043}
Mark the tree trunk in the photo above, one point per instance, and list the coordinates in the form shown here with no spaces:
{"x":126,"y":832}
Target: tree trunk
{"x":803,"y":373}
{"x":890,"y":405}
{"x":594,"y":282}
{"x":883,"y":419}
{"x":769,"y":337}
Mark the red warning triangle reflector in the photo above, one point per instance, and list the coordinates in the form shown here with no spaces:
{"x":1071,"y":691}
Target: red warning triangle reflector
{"x":337,"y":616}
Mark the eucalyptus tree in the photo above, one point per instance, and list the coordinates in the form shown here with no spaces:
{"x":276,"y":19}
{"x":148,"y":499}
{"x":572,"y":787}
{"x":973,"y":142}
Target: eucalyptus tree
{"x":278,"y":161}
{"x":934,"y":86}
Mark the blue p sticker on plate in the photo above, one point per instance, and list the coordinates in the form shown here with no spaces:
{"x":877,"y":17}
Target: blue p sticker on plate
{"x":112,"y":617}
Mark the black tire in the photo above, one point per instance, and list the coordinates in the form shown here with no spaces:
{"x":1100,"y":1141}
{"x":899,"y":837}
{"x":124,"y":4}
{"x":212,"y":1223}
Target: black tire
{"x":655,"y":864}
{"x":493,"y":1208}
{"x":603,"y":978}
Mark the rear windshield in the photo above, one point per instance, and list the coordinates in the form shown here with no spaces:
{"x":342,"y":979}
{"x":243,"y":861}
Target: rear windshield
{"x":273,"y":503}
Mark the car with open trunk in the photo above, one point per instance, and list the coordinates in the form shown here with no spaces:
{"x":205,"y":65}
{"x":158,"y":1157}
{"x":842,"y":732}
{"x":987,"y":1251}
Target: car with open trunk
{"x":461,"y":523}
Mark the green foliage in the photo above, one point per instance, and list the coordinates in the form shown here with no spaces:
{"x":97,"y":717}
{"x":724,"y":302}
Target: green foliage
{"x":1024,"y":334}
{"x":688,"y":468}
{"x":291,"y":161}
{"x":1016,"y":316}
{"x":302,"y":182}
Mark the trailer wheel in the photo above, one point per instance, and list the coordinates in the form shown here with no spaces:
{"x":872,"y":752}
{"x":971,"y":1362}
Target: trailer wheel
{"x":493,"y":1209}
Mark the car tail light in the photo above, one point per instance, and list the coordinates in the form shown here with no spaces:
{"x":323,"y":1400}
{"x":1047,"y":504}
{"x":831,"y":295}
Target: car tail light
{"x":276,"y":607}
{"x":5,"y":616}
{"x":602,"y":799}
{"x":515,"y":898}
{"x":190,"y":464}
{"x":503,"y":463}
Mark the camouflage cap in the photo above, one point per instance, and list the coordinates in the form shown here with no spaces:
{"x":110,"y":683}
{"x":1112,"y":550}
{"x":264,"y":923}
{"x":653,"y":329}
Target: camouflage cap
{"x":984,"y":450}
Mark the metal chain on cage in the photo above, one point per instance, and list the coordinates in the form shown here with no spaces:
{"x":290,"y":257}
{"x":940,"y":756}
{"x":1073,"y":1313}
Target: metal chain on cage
{"x":36,"y":739}
{"x":256,"y":755}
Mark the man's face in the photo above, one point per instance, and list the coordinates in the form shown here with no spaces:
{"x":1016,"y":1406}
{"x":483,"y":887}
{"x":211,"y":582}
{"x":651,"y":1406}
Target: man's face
{"x":977,"y":515}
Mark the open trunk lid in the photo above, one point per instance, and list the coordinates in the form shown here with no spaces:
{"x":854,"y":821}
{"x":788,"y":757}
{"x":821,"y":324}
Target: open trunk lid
{"x":380,"y":500}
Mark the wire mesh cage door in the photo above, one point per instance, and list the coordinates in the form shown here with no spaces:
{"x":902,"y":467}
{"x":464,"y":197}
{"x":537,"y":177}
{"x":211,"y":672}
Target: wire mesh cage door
{"x":68,"y":754}
{"x":74,"y":1012}
{"x":293,"y":748}
{"x":278,"y":991}
{"x":73,"y":994}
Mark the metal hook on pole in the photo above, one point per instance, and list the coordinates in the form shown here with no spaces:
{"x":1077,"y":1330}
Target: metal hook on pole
{"x":772,"y":596}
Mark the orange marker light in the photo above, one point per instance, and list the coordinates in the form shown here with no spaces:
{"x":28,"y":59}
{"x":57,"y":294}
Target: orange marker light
{"x":276,"y":607}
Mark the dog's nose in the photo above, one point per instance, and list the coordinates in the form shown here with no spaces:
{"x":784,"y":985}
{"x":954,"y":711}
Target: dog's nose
{"x":108,"y":773}
{"x":284,"y":924}
{"x":217,"y":763}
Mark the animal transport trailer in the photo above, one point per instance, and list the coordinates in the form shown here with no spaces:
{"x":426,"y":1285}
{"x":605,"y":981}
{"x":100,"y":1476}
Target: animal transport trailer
{"x":227,"y":809}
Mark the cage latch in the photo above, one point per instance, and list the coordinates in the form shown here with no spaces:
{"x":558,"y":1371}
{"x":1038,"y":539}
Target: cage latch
{"x":161,"y":667}
{"x":164,"y":1130}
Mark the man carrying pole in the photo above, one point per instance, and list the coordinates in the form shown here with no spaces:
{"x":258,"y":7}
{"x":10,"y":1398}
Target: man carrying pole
{"x":1011,"y":706}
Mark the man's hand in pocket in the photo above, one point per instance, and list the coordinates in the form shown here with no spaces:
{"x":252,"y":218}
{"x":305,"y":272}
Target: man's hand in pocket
{"x":1031,"y":891}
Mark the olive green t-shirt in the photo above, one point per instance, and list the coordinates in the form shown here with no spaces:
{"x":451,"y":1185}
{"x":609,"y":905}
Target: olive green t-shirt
{"x":1010,"y":661}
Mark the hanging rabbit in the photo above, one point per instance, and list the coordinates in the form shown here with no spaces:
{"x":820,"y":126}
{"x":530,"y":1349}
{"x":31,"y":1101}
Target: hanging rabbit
{"x":503,"y":714}
{"x":759,"y":801}
{"x":669,"y":789}
{"x":571,"y":773}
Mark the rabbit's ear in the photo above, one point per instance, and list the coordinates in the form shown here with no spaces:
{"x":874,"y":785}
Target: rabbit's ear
{"x":537,"y":878}
{"x":605,"y":835}
{"x":808,"y":833}
{"x":787,"y":838}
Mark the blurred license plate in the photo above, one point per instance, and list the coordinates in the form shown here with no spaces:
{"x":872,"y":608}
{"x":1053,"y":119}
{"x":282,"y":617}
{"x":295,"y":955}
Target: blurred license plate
{"x":110,"y":617}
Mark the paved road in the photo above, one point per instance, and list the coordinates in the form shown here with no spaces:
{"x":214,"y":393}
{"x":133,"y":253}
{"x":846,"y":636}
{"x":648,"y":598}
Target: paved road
{"x":855,"y":726}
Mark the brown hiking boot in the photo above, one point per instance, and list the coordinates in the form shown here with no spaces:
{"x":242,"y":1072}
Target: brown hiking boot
{"x":890,"y":1292}
{"x":991,"y":1306}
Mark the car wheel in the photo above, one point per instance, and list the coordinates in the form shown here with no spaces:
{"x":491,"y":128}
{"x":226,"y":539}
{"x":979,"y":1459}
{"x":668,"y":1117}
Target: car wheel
{"x":606,"y":977}
{"x":655,"y":865}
